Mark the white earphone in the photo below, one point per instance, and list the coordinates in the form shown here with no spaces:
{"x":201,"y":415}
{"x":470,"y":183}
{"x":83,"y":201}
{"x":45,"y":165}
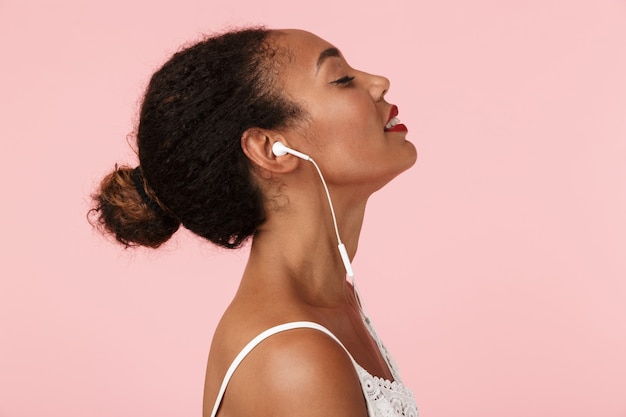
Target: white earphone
{"x":279,"y":149}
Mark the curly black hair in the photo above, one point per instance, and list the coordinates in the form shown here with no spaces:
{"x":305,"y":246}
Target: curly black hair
{"x":195,"y":110}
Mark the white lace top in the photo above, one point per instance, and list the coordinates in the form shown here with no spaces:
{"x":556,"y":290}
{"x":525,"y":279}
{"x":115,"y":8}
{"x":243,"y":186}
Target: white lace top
{"x":383,"y":397}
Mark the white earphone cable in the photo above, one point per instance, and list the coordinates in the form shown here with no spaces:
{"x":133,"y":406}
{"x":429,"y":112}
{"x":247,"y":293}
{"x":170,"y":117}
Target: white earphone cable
{"x":279,"y":149}
{"x":342,"y":249}
{"x":330,"y":202}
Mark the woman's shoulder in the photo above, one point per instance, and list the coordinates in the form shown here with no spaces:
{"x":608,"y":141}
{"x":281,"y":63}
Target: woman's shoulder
{"x":298,"y":370}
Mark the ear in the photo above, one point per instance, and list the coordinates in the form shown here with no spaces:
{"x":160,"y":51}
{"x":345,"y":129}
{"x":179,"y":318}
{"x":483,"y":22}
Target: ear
{"x":257,"y":144}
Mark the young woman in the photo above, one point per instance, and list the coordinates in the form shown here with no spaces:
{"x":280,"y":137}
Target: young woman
{"x":234,"y":136}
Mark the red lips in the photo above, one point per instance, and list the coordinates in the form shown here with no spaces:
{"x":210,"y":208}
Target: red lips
{"x":398,"y":127}
{"x":393,"y":112}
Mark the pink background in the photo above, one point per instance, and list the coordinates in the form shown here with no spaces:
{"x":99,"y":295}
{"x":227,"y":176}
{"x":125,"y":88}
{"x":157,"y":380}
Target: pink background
{"x":495,"y":269}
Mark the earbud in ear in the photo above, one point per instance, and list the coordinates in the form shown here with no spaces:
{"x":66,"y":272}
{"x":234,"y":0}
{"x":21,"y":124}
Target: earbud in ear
{"x":279,"y":149}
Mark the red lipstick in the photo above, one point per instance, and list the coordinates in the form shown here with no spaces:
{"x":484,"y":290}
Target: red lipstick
{"x":393,"y":123}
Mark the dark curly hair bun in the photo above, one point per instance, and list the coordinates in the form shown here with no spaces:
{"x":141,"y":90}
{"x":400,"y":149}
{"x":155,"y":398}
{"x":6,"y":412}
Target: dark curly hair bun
{"x":121,"y":211}
{"x":194,"y":113}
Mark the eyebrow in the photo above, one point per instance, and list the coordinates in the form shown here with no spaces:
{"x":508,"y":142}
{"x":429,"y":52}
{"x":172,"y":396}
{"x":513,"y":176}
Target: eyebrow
{"x":327,"y":53}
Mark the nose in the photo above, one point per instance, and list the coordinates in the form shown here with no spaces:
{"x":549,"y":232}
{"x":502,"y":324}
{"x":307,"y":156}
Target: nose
{"x":378,"y":87}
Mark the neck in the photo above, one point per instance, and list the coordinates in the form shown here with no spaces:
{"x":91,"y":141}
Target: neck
{"x":296,"y":248}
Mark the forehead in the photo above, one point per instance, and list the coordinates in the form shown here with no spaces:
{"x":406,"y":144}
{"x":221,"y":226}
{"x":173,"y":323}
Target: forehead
{"x":304,"y":47}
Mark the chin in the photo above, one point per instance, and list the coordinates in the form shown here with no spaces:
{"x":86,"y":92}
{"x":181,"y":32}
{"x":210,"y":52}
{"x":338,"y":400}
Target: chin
{"x":411,"y":156}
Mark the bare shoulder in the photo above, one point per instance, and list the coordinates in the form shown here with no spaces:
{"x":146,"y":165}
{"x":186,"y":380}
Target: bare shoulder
{"x":299,"y":372}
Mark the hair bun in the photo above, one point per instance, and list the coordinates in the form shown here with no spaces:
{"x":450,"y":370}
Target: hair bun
{"x":125,"y":208}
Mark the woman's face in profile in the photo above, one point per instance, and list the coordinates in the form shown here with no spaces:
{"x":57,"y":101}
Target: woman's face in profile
{"x":350,"y":130}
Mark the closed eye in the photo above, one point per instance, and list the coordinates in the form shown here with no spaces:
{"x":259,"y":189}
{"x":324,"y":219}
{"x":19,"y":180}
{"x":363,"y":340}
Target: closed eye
{"x":343,"y":80}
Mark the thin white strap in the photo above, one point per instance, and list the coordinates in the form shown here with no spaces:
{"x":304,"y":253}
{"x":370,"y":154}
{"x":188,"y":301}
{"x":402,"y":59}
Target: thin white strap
{"x":254,"y":342}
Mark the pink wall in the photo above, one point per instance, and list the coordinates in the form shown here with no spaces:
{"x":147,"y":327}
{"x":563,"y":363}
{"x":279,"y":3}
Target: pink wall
{"x":495,"y":269}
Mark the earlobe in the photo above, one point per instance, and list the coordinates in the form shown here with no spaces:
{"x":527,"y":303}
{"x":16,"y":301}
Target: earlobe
{"x":257,"y":144}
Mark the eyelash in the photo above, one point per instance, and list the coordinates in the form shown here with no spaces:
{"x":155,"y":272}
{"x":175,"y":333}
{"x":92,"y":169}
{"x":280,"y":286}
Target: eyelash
{"x":343,"y":80}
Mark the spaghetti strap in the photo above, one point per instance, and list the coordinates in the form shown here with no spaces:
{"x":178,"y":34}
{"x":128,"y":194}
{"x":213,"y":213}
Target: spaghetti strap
{"x":254,"y":342}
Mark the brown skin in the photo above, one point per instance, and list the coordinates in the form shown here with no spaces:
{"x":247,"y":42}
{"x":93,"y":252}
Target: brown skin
{"x":294,"y":272}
